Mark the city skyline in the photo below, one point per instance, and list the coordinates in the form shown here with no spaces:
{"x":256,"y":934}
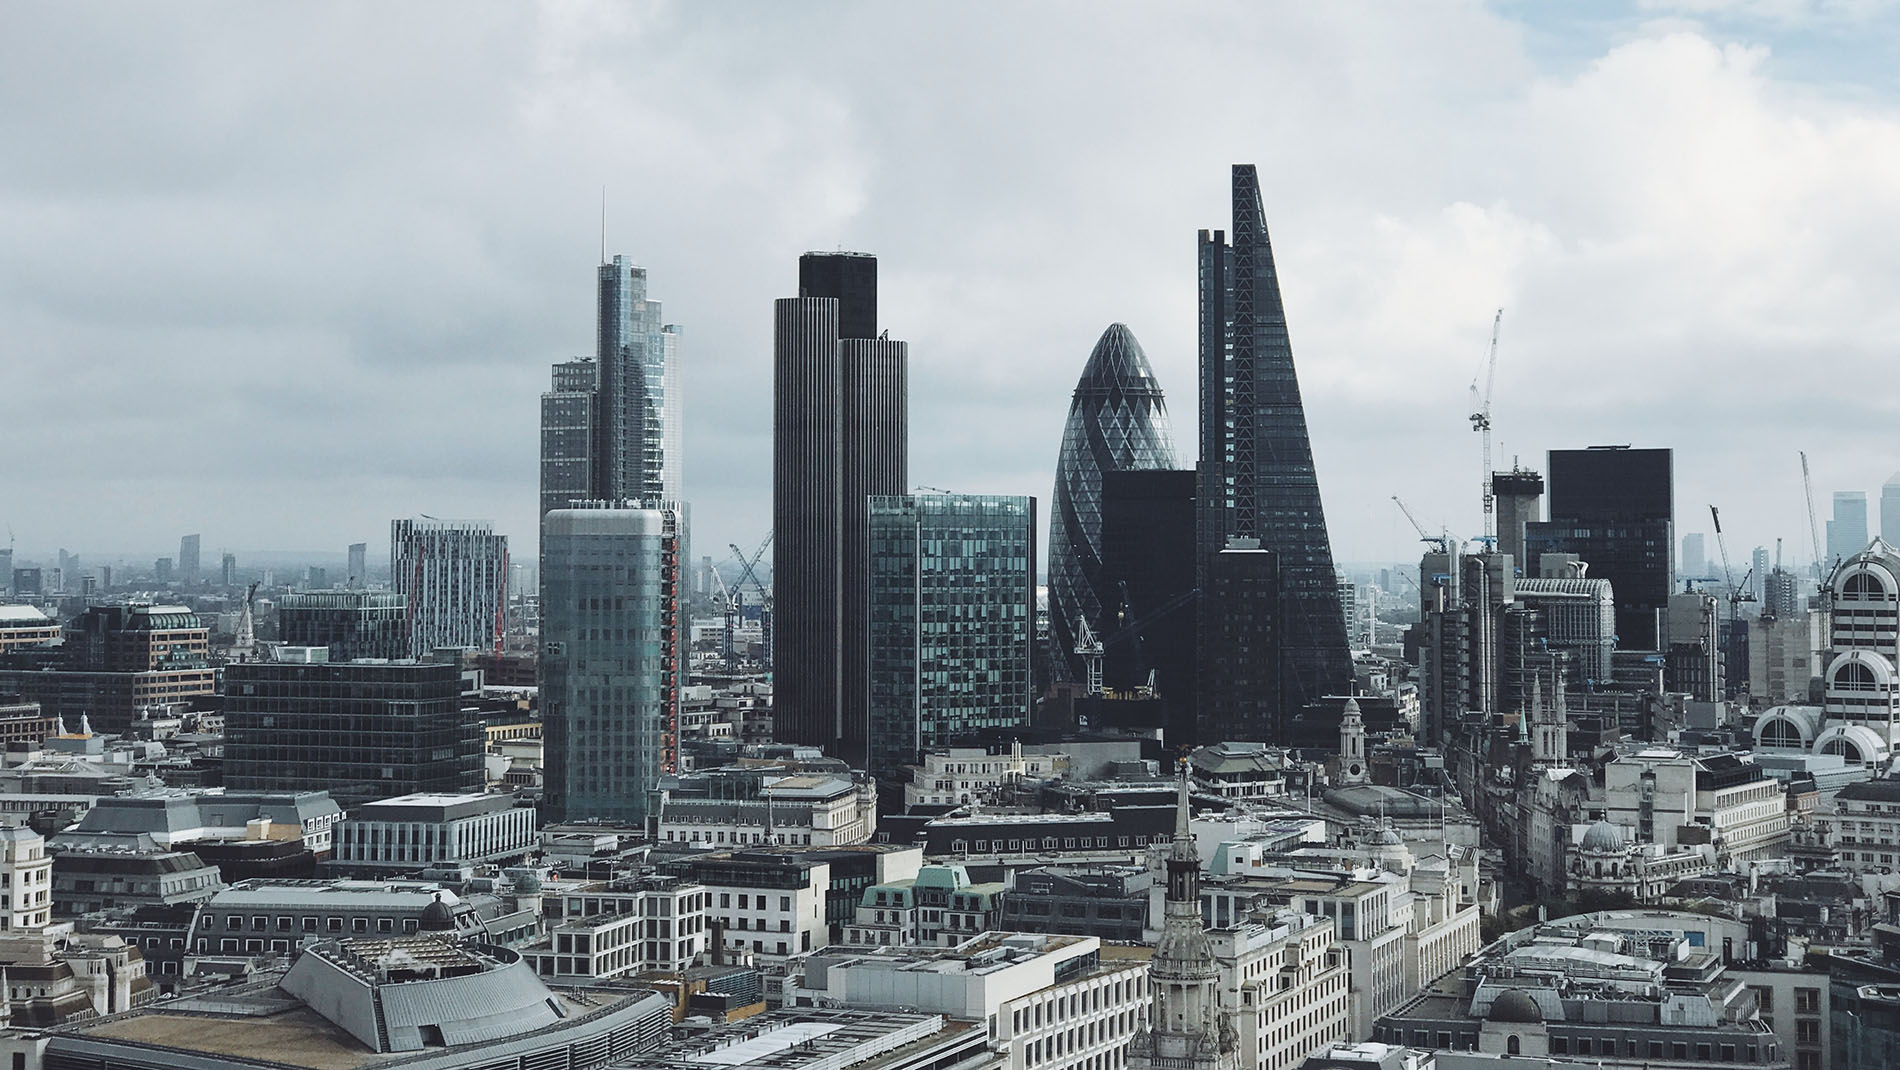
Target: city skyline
{"x":465,"y":297}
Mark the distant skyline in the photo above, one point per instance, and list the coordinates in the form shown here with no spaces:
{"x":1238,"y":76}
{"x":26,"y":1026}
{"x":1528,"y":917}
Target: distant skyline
{"x":281,"y":275}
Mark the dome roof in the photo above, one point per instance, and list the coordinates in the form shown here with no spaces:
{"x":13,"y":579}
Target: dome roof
{"x":436,"y":918}
{"x":1603,"y":836}
{"x":1515,"y":1006}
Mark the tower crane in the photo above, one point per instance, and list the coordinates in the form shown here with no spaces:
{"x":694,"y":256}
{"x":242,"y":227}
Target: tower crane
{"x":1481,"y":423}
{"x":1736,"y":595}
{"x":748,"y":565}
{"x":1443,"y":542}
{"x":1814,"y":526}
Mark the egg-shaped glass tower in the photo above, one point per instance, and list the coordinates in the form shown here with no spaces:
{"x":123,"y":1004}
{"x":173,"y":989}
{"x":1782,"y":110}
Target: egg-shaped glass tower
{"x":1118,"y":421}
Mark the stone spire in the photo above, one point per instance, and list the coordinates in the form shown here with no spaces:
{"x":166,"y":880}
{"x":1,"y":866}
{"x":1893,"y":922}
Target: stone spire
{"x":1186,"y":1030}
{"x":1352,"y":745}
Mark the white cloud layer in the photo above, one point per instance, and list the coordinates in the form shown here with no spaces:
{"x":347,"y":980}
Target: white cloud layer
{"x":282,"y":274}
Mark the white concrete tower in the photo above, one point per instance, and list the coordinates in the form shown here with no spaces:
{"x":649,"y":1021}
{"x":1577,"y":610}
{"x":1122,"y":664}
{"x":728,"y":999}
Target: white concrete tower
{"x":1186,"y":1029}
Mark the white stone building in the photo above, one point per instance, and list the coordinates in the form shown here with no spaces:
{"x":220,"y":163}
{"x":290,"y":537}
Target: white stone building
{"x":412,"y":832}
{"x":632,"y":926}
{"x":1674,"y":799}
{"x":959,"y":775}
{"x":803,"y":809}
{"x":26,"y":879}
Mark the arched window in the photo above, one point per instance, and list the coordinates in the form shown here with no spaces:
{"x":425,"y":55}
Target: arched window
{"x":1855,"y":676}
{"x":1780,"y":732}
{"x":1511,"y":1046}
{"x":1863,"y":587}
{"x":1839,"y":745}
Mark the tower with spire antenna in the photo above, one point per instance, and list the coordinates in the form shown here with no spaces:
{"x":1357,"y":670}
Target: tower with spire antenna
{"x":1186,"y":1029}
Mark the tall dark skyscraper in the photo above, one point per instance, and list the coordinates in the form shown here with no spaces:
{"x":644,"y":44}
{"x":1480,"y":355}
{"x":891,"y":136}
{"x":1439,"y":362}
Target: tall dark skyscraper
{"x":839,"y":436}
{"x":1148,"y":565}
{"x":1118,"y":422}
{"x":1256,"y":465}
{"x":1615,"y":508}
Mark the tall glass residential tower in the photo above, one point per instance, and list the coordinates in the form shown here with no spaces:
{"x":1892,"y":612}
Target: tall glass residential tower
{"x":1118,"y":422}
{"x":1257,"y":475}
{"x":952,"y":620}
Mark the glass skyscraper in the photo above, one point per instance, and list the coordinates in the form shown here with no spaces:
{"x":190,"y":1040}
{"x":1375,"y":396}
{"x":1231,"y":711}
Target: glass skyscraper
{"x":952,"y":629}
{"x":1118,"y":422}
{"x":1614,"y":507}
{"x":1257,"y":475}
{"x":612,"y":650}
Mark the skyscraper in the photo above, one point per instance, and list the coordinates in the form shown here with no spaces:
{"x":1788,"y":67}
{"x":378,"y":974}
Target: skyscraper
{"x":188,"y":563}
{"x":611,"y":425}
{"x":1695,"y":556}
{"x":1243,"y":687}
{"x":1256,"y":465}
{"x":612,"y":655}
{"x":1148,"y":564}
{"x":1118,"y":422}
{"x":227,"y":571}
{"x":1890,"y":509}
{"x":1758,"y":575}
{"x":968,"y":560}
{"x":453,"y":575}
{"x":358,"y":566}
{"x":1520,"y":501}
{"x":1847,"y":532}
{"x":839,"y":436}
{"x":1615,"y":508}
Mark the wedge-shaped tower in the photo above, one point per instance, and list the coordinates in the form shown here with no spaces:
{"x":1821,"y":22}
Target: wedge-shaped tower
{"x":1118,"y":422}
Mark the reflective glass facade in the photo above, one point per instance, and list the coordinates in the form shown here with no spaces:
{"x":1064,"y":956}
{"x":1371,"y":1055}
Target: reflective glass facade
{"x":1256,"y":464}
{"x":1615,"y":508}
{"x":1118,"y":422}
{"x":611,"y":650}
{"x":361,"y":732}
{"x":952,"y":601}
{"x":353,"y":624}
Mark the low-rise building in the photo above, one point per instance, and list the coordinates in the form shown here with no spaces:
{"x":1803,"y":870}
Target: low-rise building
{"x":629,"y":926}
{"x":1240,"y":771}
{"x":1866,"y":826}
{"x":958,"y":776}
{"x":86,"y":880}
{"x":1110,"y":902}
{"x":735,"y":807}
{"x":412,"y":832}
{"x":275,"y":917}
{"x":812,"y":1039}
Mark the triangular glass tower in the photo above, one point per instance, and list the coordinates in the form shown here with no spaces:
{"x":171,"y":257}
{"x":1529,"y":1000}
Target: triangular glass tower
{"x":1256,"y":467}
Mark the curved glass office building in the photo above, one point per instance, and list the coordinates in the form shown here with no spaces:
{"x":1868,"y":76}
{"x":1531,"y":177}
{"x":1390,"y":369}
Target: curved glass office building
{"x":1118,"y":421}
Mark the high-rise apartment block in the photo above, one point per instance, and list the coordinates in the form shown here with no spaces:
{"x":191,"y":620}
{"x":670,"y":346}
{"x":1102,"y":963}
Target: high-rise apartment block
{"x":358,"y":566}
{"x":952,"y":607}
{"x":1614,"y":507}
{"x":839,"y":437}
{"x":1847,"y":532}
{"x":453,"y":577}
{"x":352,"y":624}
{"x":612,"y":657}
{"x":611,"y":425}
{"x":1257,"y":475}
{"x":188,"y":559}
{"x":359,"y":731}
{"x":1118,"y":421}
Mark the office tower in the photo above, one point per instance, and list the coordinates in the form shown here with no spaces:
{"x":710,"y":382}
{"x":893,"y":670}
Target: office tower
{"x":27,"y":583}
{"x":162,"y":570}
{"x":1695,"y":562}
{"x":1257,"y":476}
{"x":358,"y":565}
{"x":612,"y":654}
{"x":1847,"y":532}
{"x":114,"y":662}
{"x":952,"y":603}
{"x":188,"y":567}
{"x":1148,"y":552}
{"x":839,"y":436}
{"x":352,"y":624}
{"x":1758,"y":575}
{"x":360,"y":731}
{"x":105,"y":577}
{"x":56,"y":581}
{"x":1693,"y":660}
{"x":68,"y":564}
{"x":1242,"y":692}
{"x":1520,"y":501}
{"x":1118,"y":421}
{"x":453,"y":576}
{"x":1781,"y":595}
{"x":1579,"y":620}
{"x":570,"y":436}
{"x":227,"y":570}
{"x":1890,"y":509}
{"x":316,"y":578}
{"x":6,"y":570}
{"x":1613,"y":507}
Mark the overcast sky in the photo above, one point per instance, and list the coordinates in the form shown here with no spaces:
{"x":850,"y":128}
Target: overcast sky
{"x":279,"y":273}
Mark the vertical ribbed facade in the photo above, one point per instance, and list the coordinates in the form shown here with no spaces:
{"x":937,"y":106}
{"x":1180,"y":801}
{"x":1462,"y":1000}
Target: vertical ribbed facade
{"x":838,"y":437}
{"x":1257,"y":475}
{"x":453,"y":576}
{"x":569,"y":435}
{"x":612,"y":651}
{"x":1118,"y":422}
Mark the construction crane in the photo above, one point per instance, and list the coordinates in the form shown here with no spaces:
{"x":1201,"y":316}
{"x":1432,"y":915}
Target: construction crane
{"x":1814,"y":526}
{"x":1089,"y":646}
{"x":747,"y":572}
{"x":1736,"y":595}
{"x":1443,"y":542}
{"x":1481,"y":423}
